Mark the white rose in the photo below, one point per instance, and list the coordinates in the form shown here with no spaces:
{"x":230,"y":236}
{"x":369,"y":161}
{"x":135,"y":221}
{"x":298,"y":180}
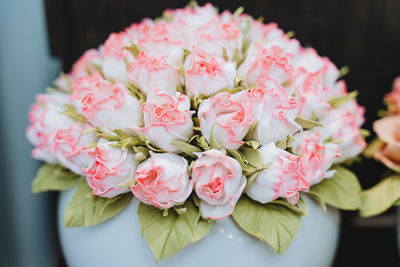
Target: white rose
{"x":163,"y":180}
{"x":218,"y":182}
{"x":281,"y":179}
{"x":167,"y":118}
{"x":274,"y":112}
{"x":106,"y":105}
{"x":154,"y":73}
{"x":228,"y":117}
{"x":110,"y":166}
{"x":46,"y":118}
{"x":207,"y":73}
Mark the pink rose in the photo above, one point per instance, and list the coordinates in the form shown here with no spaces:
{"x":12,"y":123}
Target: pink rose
{"x":72,"y":147}
{"x":283,"y":178}
{"x":187,"y":20}
{"x":207,"y":73}
{"x":106,"y":105}
{"x":388,"y":131}
{"x":393,"y":98}
{"x":115,"y":56}
{"x":273,"y":109}
{"x":267,"y":61}
{"x":110,"y":166}
{"x":217,"y":35}
{"x":311,"y":62}
{"x":341,"y":126}
{"x":311,"y":94}
{"x":163,"y":180}
{"x":167,"y":118}
{"x":84,"y":66}
{"x":218,"y":182}
{"x":152,"y":73}
{"x":162,"y":39}
{"x":317,"y":156}
{"x":46,"y":118}
{"x":228,"y":117}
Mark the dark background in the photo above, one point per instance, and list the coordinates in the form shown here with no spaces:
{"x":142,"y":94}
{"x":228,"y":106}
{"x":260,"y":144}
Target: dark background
{"x":362,"y":34}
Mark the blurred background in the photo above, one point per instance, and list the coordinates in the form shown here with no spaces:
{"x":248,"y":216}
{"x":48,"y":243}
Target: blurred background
{"x":40,"y":38}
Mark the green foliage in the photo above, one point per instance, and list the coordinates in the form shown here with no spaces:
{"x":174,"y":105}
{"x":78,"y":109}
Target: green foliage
{"x":54,"y":177}
{"x":380,"y":197}
{"x":166,"y":235}
{"x":86,"y":209}
{"x":272,"y":223}
{"x":341,"y":191}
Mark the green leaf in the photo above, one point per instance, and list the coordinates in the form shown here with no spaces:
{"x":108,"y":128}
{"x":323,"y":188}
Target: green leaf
{"x":273,"y":223}
{"x":133,"y":49}
{"x":67,"y":81}
{"x":166,"y":235}
{"x":134,"y":89}
{"x":300,"y":208}
{"x":380,"y":197}
{"x":186,"y":148}
{"x":225,"y":54}
{"x":70,"y":111}
{"x":338,"y":101}
{"x":250,"y":133}
{"x":86,"y":209}
{"x":308,"y":124}
{"x":252,"y":156}
{"x":343,"y":71}
{"x":341,"y":191}
{"x":372,"y":147}
{"x":54,"y":177}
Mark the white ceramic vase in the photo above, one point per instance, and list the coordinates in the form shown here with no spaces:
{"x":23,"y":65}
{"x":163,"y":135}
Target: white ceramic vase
{"x":118,"y":243}
{"x":398,"y":229}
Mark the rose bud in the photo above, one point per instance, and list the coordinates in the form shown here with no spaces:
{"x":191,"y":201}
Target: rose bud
{"x":46,"y":118}
{"x":228,"y":117}
{"x":167,"y":118}
{"x":218,"y":182}
{"x":282,"y":178}
{"x":110,"y":167}
{"x":163,"y":180}
{"x":106,"y":105}
{"x":207,"y":73}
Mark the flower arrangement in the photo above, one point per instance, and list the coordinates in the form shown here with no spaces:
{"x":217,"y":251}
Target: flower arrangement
{"x":200,"y":116}
{"x":386,"y":149}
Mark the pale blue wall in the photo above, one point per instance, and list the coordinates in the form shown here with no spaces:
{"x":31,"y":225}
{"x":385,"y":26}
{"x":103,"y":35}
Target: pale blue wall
{"x":27,"y":233}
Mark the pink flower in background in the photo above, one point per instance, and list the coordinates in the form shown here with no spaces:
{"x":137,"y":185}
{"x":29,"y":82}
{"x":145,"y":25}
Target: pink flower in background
{"x":154,"y":73}
{"x":163,"y":180}
{"x":283,"y":178}
{"x":106,"y":105}
{"x":167,"y":118}
{"x":228,"y":117}
{"x":393,"y":98}
{"x":110,"y":167}
{"x":218,"y":182}
{"x":207,"y":73}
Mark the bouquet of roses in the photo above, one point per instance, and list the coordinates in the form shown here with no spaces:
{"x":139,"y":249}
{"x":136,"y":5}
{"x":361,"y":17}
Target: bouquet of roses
{"x":200,"y":116}
{"x":386,"y":149}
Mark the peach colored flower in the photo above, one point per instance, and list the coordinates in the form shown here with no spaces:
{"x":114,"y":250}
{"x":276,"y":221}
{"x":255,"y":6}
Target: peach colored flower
{"x":388,"y":131}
